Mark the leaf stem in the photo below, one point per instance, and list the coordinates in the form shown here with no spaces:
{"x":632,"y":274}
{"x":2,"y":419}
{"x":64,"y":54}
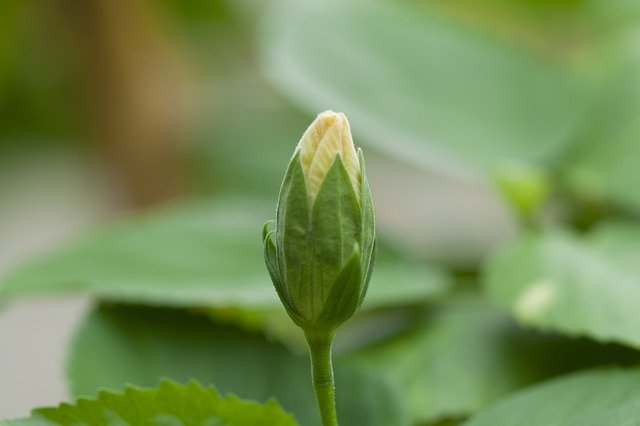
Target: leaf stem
{"x":322,"y":374}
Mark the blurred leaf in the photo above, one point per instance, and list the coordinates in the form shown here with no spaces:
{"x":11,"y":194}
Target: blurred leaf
{"x":417,"y":284}
{"x":186,"y":256}
{"x":606,"y":166}
{"x":120,"y":345}
{"x":586,"y":286}
{"x":421,"y":85}
{"x":464,"y":355}
{"x":206,"y":254}
{"x":612,"y":15}
{"x":246,"y":152}
{"x":590,"y":398}
{"x":170,"y":403}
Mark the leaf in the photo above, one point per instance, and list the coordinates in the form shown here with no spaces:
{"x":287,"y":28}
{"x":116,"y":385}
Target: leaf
{"x":423,"y":86}
{"x":205,"y":254}
{"x":193,"y":255}
{"x":587,"y":286}
{"x":117,"y":345}
{"x":606,"y":168}
{"x":169,"y":404}
{"x":462,"y":355}
{"x":589,"y":398}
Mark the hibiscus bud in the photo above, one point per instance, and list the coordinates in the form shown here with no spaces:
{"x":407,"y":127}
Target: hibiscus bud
{"x":320,"y":253}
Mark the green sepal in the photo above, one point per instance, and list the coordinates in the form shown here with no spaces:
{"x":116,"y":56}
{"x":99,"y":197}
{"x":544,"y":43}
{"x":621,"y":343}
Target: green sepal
{"x":369,"y":266}
{"x":292,"y":238}
{"x":344,"y":298}
{"x":271,"y":260}
{"x":336,"y":226}
{"x":368,"y":238}
{"x":265,"y":228}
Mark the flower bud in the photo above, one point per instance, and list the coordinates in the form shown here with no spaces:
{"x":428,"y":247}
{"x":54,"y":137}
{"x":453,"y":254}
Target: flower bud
{"x":320,"y":253}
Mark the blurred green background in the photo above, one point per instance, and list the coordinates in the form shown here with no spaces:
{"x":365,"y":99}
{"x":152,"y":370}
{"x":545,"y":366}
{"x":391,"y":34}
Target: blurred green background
{"x":482,"y":121}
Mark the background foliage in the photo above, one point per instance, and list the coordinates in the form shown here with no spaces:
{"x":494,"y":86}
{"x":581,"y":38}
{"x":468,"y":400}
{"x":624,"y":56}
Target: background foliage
{"x":502,"y":143}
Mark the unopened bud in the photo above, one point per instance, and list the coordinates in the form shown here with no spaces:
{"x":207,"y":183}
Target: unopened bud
{"x":321,"y":252}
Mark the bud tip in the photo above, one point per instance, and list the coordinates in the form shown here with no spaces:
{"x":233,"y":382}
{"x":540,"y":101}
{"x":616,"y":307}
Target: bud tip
{"x":327,"y":137}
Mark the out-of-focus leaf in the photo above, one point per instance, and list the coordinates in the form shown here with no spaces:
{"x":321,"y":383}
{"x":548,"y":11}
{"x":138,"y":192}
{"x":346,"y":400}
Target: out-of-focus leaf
{"x":247,"y":151}
{"x":170,"y":403}
{"x":462,"y":356}
{"x":606,"y":169}
{"x":586,"y":286}
{"x":203,"y":255}
{"x":417,"y":284}
{"x":120,"y":345}
{"x":421,"y":85}
{"x":590,"y":398}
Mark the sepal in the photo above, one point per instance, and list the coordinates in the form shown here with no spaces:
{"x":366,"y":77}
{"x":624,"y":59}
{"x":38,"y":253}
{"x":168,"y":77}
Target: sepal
{"x":344,"y":298}
{"x":335,"y":224}
{"x":271,"y":260}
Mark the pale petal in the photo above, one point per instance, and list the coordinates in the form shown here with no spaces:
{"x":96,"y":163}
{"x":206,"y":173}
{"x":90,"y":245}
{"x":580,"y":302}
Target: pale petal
{"x":327,"y":137}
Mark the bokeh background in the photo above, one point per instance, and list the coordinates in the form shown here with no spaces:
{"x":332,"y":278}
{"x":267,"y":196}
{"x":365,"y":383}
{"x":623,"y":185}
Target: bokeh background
{"x":479,"y":120}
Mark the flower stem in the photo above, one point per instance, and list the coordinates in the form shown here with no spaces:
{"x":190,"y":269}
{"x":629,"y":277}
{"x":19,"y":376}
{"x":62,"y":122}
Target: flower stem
{"x":322,"y":374}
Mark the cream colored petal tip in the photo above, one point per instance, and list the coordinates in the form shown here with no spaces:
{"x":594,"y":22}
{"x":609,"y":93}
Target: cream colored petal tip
{"x":327,"y":136}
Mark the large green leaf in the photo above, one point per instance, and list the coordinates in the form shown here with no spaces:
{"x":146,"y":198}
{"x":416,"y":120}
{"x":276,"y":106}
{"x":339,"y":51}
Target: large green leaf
{"x":420,"y":84}
{"x":117,"y":345}
{"x":591,"y":398}
{"x":169,"y":404}
{"x":205,"y":254}
{"x":587,"y":286}
{"x":185,"y":256}
{"x":463,"y":355}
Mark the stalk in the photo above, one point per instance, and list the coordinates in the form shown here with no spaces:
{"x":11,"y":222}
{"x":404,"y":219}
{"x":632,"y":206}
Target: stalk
{"x":322,"y":374}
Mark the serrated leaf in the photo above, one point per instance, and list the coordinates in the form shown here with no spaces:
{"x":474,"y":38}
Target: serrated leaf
{"x":169,"y":404}
{"x":117,"y":345}
{"x":591,"y":398}
{"x":585,"y":286}
{"x":205,"y":254}
{"x":463,"y":355}
{"x":422,"y":85}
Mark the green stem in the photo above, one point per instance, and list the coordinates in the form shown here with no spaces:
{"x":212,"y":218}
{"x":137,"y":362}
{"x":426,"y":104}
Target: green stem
{"x":322,"y":374}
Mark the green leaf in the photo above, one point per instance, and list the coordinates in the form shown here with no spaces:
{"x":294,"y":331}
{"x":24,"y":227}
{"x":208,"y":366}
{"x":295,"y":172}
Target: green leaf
{"x":419,"y":84}
{"x":462,"y":355}
{"x":587,"y":286}
{"x":169,"y":404}
{"x":117,"y":345}
{"x":606,"y":167}
{"x":207,"y":253}
{"x":591,"y":398}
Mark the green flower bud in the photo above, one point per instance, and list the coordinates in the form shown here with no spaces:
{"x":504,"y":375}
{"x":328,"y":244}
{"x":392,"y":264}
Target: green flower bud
{"x":320,"y":254}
